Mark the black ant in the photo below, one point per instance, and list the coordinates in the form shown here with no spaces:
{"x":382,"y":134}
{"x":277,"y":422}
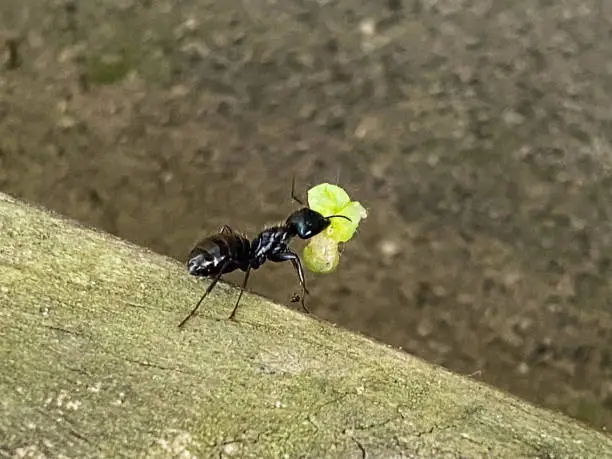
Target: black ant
{"x":229,"y":250}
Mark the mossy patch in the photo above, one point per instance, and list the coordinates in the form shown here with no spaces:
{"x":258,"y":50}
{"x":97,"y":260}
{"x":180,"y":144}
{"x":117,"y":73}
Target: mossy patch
{"x":108,"y":68}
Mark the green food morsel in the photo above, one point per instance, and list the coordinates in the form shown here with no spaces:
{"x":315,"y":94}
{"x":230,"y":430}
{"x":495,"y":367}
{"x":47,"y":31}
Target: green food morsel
{"x":321,"y":254}
{"x":342,"y":230}
{"x":329,"y":200}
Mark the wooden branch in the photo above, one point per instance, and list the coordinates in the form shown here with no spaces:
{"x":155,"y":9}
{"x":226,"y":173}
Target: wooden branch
{"x":93,"y":365}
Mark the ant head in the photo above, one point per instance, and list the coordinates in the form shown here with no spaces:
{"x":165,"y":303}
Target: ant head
{"x":307,"y":223}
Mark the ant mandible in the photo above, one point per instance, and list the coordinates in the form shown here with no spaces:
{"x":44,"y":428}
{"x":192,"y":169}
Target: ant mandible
{"x":228,"y":250}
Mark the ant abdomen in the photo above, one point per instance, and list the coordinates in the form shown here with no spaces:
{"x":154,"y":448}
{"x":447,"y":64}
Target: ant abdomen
{"x":216,"y":255}
{"x":223,"y":252}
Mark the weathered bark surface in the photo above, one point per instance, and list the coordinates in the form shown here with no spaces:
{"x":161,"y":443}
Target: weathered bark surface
{"x":92,"y":364}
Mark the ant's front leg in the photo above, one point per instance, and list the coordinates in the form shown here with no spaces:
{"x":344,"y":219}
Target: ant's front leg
{"x":297,"y":264}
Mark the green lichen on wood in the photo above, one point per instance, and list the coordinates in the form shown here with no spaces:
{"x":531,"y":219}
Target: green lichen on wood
{"x":107,"y":69}
{"x":92,"y":364}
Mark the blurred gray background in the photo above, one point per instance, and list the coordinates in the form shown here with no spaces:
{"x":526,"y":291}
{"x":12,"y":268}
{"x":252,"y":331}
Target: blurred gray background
{"x":477,"y":133}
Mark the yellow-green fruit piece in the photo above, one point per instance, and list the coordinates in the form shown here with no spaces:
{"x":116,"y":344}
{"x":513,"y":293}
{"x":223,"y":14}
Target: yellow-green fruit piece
{"x":325,"y":198}
{"x":321,"y":254}
{"x":329,"y":200}
{"x":341,"y":229}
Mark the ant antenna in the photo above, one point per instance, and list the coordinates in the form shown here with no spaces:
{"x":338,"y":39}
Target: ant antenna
{"x":293,"y":196}
{"x":340,"y":216}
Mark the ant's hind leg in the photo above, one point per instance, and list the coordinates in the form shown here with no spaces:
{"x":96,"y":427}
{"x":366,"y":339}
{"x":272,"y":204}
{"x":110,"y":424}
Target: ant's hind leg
{"x":208,"y":290}
{"x":297,"y":264}
{"x":244,"y":284}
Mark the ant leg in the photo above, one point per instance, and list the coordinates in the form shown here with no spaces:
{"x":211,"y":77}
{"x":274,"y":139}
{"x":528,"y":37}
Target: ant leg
{"x":293,"y":196}
{"x":208,"y":290}
{"x":297,"y":264}
{"x":244,"y":283}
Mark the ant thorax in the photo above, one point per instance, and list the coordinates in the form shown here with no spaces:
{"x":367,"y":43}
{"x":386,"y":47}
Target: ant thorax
{"x":270,"y":241}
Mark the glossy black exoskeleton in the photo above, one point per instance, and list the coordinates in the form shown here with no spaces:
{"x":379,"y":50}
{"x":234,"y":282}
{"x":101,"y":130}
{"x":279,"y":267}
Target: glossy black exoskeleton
{"x":228,"y":251}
